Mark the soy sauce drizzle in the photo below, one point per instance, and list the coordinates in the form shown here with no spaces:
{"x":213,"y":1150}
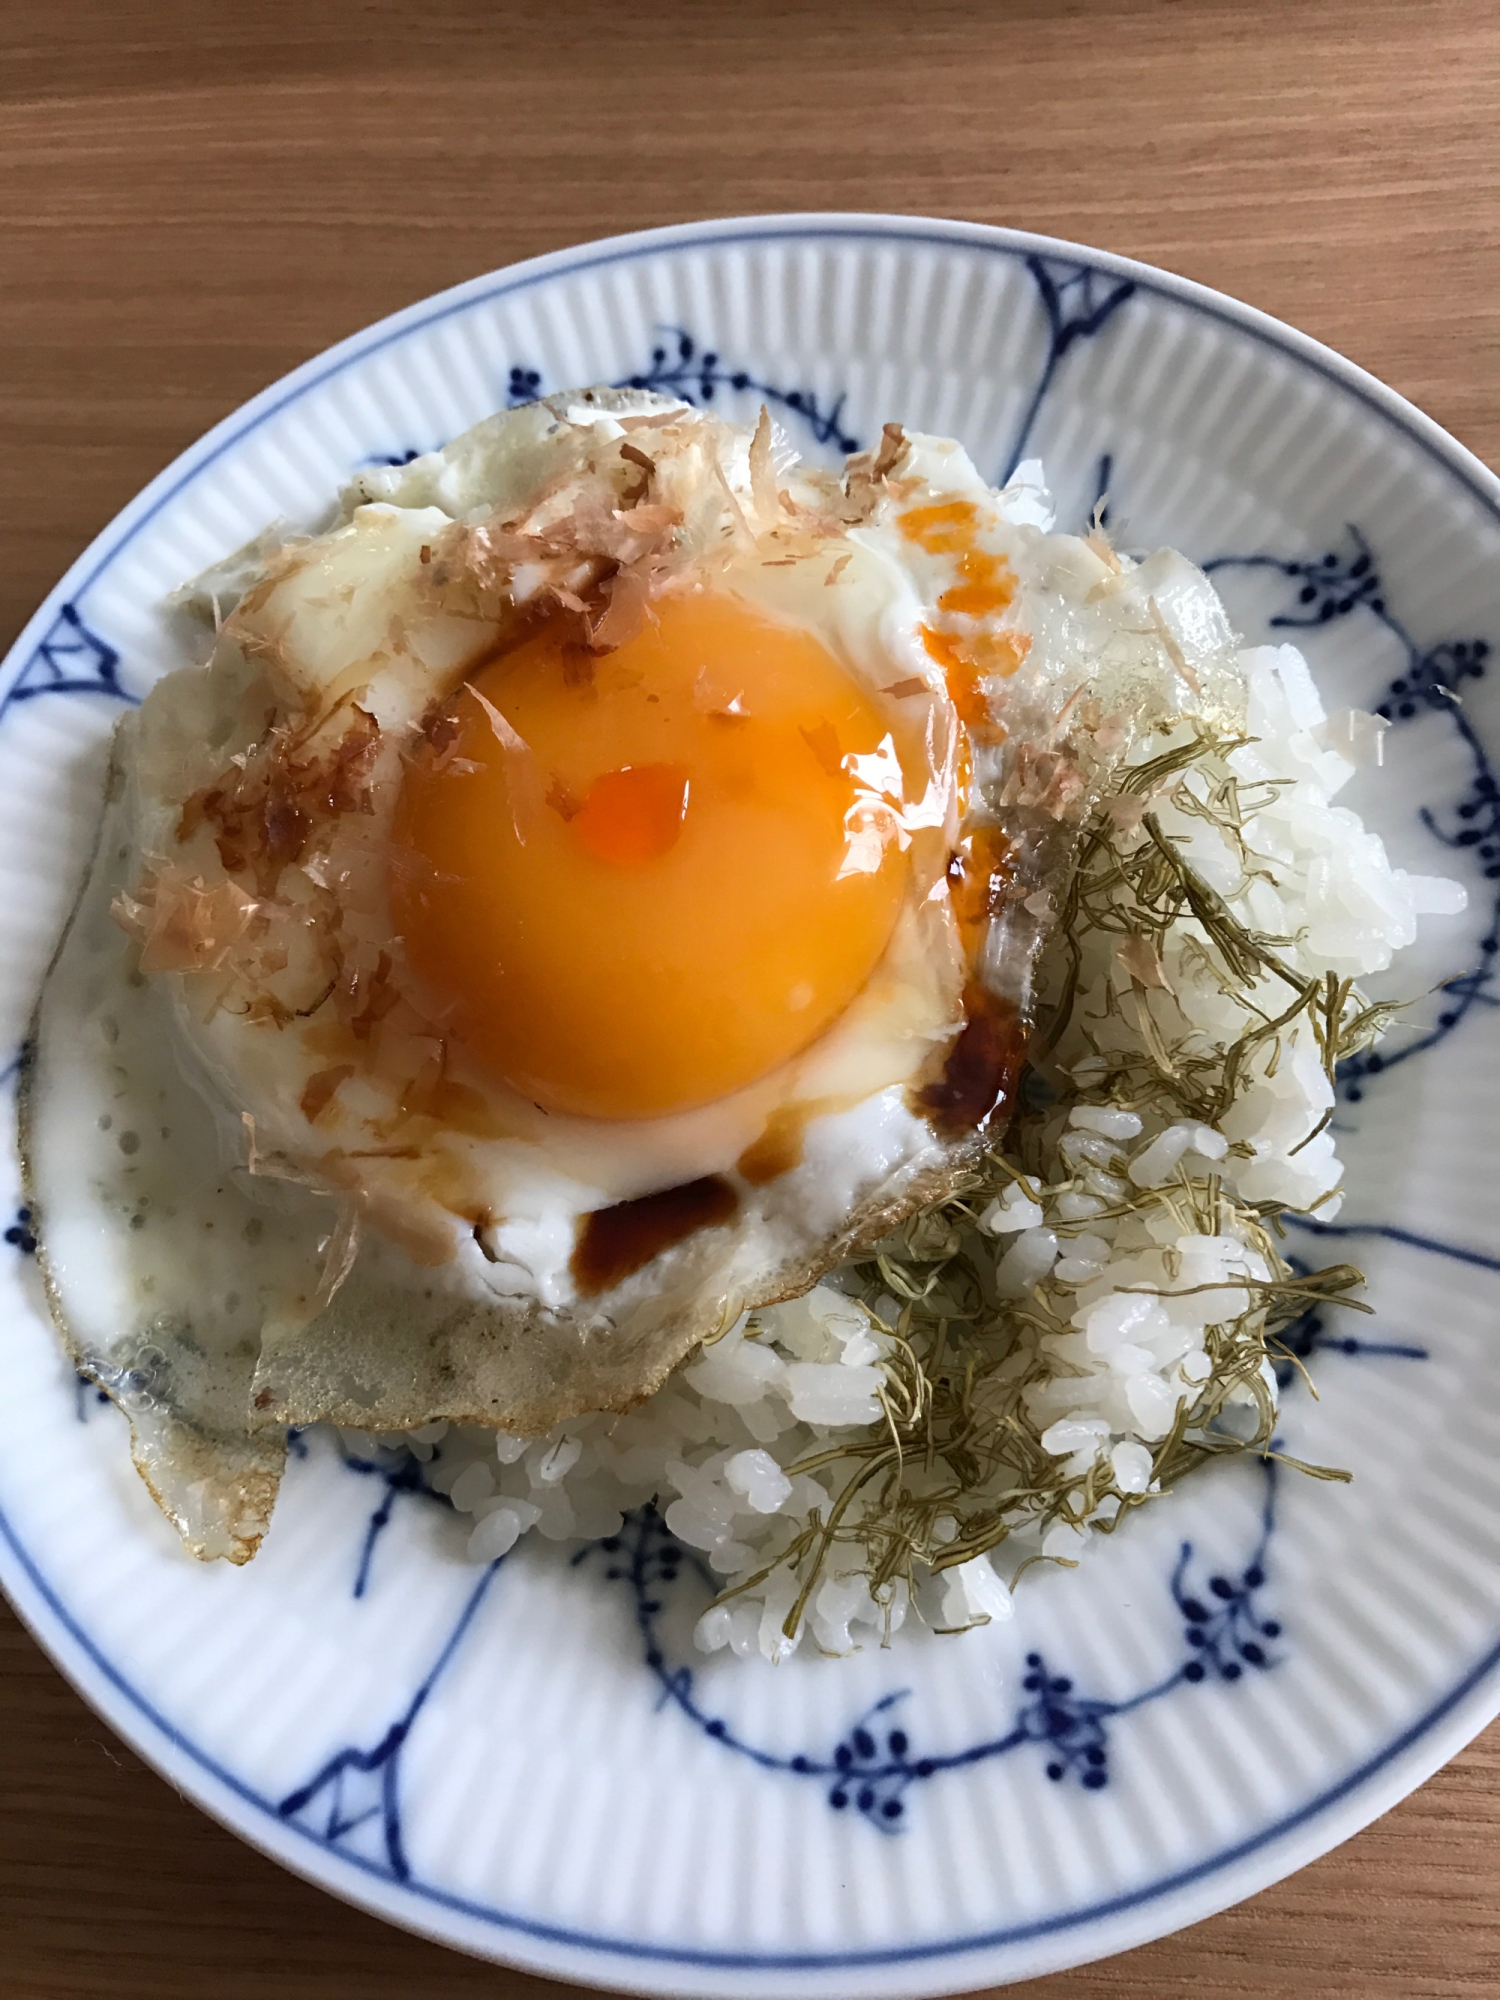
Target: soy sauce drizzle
{"x":980,"y":1069}
{"x":615,"y":1242}
{"x":779,"y":1148}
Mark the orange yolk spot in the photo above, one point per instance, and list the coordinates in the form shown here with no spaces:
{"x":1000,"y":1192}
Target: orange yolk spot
{"x":985,"y":588}
{"x":966,"y":661}
{"x":946,"y":529}
{"x":632,"y":816}
{"x":962,"y":676}
{"x":634,"y":891}
{"x":988,"y":585}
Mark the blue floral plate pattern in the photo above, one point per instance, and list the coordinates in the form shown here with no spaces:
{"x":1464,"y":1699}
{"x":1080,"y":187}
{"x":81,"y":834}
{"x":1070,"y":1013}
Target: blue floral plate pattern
{"x":528,"y":1760}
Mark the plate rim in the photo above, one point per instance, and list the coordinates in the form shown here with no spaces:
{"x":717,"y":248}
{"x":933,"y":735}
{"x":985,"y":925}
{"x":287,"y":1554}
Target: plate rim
{"x":1099,"y":1929}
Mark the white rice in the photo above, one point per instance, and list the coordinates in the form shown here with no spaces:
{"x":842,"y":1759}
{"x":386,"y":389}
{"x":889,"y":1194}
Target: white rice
{"x":713,"y":1448}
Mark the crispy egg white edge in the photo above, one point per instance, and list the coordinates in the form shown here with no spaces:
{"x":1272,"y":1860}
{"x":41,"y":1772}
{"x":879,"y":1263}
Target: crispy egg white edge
{"x":144,"y":1235}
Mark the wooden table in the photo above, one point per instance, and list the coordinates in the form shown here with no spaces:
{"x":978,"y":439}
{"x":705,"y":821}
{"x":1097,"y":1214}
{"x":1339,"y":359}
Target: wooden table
{"x":197,"y":195}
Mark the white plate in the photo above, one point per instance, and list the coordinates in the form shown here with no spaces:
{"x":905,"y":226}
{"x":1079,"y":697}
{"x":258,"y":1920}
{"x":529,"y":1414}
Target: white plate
{"x":529,"y":1762}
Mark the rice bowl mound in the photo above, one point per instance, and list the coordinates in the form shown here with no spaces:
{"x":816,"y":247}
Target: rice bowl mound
{"x":1098,"y":1314}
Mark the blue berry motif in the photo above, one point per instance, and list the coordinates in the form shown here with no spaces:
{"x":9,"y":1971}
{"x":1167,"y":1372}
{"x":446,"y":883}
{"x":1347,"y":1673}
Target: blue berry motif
{"x":1071,"y":1726}
{"x":681,"y":367}
{"x":1337,"y":585}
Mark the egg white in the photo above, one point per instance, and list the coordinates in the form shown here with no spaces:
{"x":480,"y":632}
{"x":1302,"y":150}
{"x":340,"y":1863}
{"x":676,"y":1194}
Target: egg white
{"x":433,"y":1315}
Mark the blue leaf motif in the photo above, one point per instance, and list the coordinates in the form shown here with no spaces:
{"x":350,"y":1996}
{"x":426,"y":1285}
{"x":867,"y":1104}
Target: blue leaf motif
{"x":70,"y":659}
{"x":1078,"y":302}
{"x":355,"y":1798}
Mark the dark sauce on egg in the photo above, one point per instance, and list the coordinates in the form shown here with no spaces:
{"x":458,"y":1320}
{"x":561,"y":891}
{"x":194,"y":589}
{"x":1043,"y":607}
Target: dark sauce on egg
{"x":615,"y":1242}
{"x":980,"y":1069}
{"x":779,"y":1148}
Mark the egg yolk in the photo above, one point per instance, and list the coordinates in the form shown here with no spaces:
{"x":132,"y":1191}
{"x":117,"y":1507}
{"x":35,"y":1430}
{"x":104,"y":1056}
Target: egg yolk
{"x":636,"y":882}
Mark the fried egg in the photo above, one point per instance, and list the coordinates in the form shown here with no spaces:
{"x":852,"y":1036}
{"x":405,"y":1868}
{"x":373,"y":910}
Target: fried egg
{"x":589,"y":890}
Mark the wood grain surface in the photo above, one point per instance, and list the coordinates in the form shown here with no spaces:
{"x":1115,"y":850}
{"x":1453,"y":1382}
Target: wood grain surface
{"x":195,"y":197}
